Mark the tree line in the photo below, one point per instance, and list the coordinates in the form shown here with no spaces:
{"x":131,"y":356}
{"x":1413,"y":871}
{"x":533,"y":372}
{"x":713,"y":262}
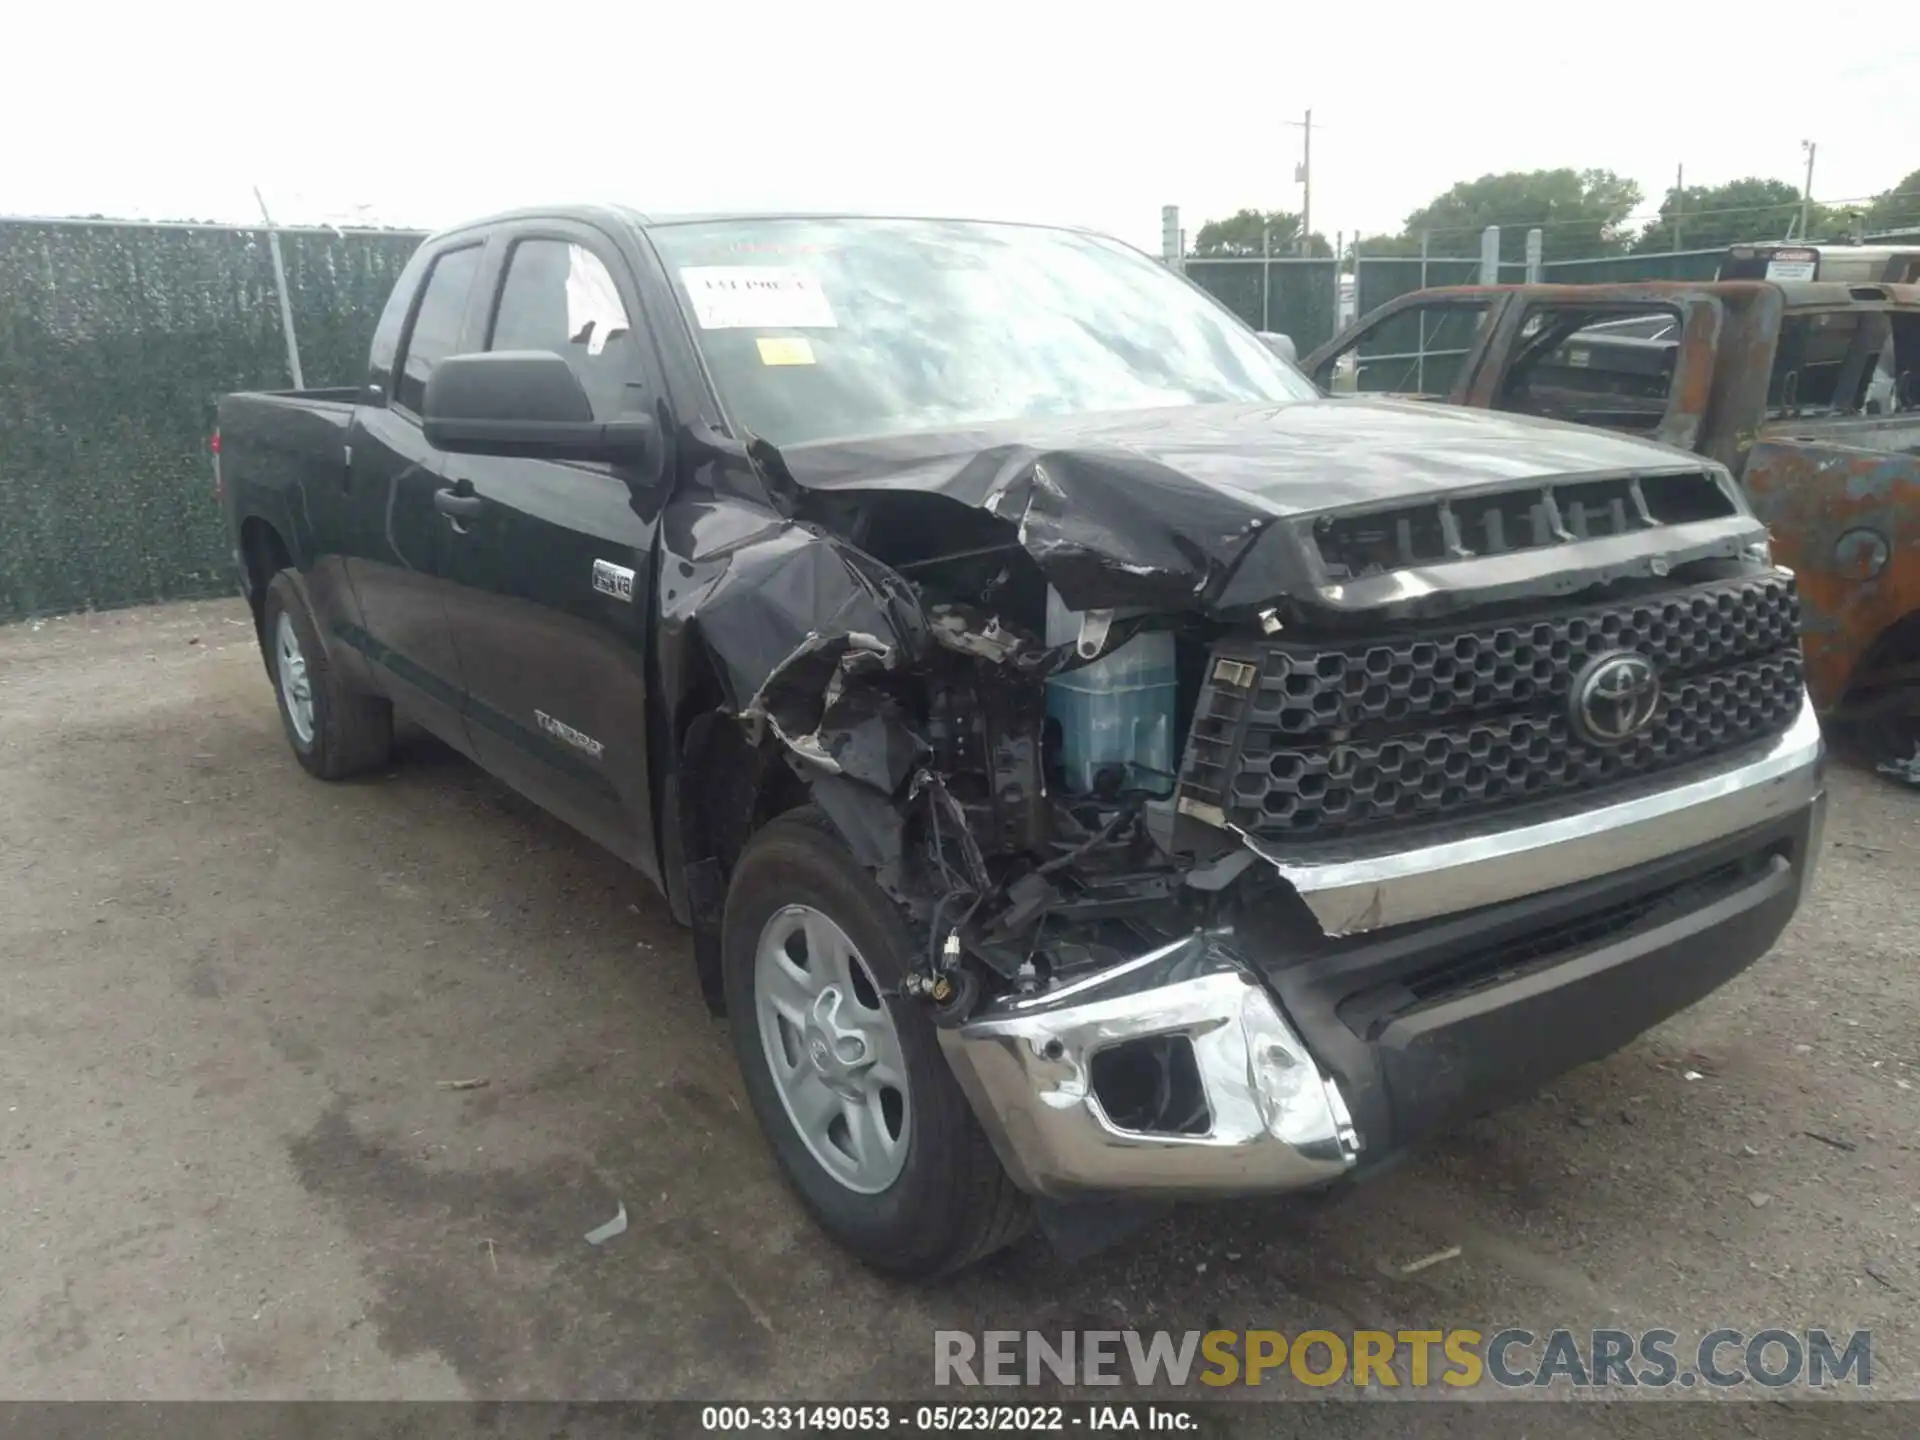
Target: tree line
{"x":1580,"y":214}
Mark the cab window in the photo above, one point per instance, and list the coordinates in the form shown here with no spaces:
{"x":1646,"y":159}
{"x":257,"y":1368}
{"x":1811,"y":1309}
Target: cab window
{"x":1612,"y":367}
{"x":435,"y":331}
{"x":560,"y":296}
{"x":1845,"y":362}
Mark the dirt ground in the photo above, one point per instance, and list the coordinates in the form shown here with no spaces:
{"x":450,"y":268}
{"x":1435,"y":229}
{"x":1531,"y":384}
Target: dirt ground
{"x":229,"y":1166}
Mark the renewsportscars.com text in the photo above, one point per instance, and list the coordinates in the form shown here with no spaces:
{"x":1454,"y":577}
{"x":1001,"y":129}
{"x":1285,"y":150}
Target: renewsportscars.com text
{"x":1508,"y":1358}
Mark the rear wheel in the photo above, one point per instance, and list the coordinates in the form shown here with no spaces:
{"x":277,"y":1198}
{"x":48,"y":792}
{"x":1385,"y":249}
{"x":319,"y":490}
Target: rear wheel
{"x":334,"y":731}
{"x":845,"y":1076}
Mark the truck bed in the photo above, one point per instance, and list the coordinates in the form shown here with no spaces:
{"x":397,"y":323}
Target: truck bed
{"x":276,"y":446}
{"x":347,"y":395}
{"x":1889,"y":434}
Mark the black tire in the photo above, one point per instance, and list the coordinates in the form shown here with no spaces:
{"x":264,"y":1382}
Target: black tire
{"x":352,"y":731}
{"x":952,"y":1203}
{"x":1875,"y":739}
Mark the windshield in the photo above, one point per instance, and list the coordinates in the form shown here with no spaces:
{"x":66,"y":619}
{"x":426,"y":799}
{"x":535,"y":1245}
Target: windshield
{"x":833,"y":328}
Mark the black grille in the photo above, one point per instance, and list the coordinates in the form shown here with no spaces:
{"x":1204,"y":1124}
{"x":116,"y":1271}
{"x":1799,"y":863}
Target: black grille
{"x":1502,"y":521}
{"x":1292,"y":738}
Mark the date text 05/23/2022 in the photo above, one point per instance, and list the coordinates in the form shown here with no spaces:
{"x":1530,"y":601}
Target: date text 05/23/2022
{"x":922,"y":1419}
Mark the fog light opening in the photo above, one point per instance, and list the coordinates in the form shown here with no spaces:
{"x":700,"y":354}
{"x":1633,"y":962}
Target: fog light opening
{"x":1152,"y":1087}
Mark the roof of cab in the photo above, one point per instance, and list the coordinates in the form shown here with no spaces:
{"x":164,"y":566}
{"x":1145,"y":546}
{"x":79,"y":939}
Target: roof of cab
{"x":1840,"y":248}
{"x":604,"y":214}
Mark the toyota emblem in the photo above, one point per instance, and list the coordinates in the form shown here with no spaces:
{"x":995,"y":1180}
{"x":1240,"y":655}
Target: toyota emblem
{"x":1614,"y":697}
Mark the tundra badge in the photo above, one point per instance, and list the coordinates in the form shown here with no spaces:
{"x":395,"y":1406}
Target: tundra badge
{"x":560,"y":730}
{"x":614,"y":580}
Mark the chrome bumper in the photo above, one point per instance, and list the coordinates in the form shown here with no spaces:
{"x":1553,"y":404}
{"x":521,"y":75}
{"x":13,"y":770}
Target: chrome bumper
{"x":1278,"y":1121}
{"x":1369,"y":886}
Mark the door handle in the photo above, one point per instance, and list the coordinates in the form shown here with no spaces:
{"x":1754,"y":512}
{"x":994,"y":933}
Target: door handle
{"x":458,"y":504}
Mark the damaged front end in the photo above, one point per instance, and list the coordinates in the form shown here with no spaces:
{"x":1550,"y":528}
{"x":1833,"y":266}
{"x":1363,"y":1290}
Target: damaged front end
{"x":1357,"y":705}
{"x":1075,"y":960}
{"x":907,"y":697}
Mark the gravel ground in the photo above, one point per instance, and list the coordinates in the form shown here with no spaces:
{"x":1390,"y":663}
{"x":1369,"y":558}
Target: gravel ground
{"x":232,"y":1168}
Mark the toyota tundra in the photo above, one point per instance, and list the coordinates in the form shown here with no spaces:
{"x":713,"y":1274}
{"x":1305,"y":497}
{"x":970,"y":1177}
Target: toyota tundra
{"x":1095,"y":766}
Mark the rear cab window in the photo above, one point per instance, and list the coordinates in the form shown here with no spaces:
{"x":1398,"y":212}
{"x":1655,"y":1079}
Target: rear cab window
{"x":1846,"y":362}
{"x":434,"y":332}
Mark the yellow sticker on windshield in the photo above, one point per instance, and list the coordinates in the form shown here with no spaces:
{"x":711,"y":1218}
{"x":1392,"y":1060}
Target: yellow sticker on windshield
{"x":785,"y":350}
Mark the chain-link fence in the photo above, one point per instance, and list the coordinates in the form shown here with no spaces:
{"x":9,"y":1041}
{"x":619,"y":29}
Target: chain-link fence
{"x":1609,"y":269}
{"x":1422,"y":352}
{"x":1312,"y":300}
{"x":116,"y":340}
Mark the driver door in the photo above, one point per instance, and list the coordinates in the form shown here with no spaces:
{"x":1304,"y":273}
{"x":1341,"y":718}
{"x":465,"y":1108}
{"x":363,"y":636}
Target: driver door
{"x":550,"y":600}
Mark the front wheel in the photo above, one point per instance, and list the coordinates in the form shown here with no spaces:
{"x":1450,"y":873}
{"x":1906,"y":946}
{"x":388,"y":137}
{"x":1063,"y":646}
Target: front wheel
{"x":845,"y":1076}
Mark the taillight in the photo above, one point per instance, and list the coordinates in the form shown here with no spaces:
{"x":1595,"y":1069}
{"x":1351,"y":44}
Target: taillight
{"x":219,"y":490}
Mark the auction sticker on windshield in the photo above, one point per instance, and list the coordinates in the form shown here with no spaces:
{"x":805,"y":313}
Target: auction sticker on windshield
{"x":785,"y":350}
{"x":756,"y":297}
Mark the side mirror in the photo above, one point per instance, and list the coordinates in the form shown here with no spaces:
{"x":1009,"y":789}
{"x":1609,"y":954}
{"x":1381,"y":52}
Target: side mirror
{"x":527,"y":403}
{"x":1281,"y":345}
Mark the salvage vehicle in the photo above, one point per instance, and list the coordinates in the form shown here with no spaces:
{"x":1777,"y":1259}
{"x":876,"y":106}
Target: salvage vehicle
{"x":1864,"y":264}
{"x":1096,"y":767}
{"x":1809,"y":392}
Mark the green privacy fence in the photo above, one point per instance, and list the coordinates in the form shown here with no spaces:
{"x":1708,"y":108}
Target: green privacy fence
{"x":1294,"y":297}
{"x":1381,"y":278}
{"x":1675,"y":265}
{"x":116,"y":340}
{"x":1412,"y":353}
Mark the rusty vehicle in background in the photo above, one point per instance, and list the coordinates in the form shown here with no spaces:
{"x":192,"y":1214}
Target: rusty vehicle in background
{"x":1808,"y":392}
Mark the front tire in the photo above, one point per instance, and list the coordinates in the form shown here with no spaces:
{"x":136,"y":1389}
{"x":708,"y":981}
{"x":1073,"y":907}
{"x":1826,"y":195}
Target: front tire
{"x":845,"y":1076}
{"x":334,"y":731}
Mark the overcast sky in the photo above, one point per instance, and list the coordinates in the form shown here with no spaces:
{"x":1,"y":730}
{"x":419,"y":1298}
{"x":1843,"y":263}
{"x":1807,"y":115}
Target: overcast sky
{"x":1083,"y":113}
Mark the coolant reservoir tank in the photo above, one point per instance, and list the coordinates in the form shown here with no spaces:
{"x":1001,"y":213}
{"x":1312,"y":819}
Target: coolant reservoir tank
{"x":1116,"y":712}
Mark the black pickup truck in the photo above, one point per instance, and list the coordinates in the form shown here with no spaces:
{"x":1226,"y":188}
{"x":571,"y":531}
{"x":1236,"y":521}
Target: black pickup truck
{"x":1096,"y":766}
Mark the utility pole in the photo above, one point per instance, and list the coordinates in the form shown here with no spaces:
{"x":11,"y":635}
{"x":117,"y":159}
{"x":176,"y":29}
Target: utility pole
{"x":1806,"y":194}
{"x":1305,"y":177}
{"x":1266,"y":277}
{"x":1679,"y":202}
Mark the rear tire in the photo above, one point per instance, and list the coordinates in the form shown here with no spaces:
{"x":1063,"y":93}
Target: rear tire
{"x":948,"y":1202}
{"x":334,"y":731}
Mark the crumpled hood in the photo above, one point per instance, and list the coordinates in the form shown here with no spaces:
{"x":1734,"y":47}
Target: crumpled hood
{"x":1163,"y":507}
